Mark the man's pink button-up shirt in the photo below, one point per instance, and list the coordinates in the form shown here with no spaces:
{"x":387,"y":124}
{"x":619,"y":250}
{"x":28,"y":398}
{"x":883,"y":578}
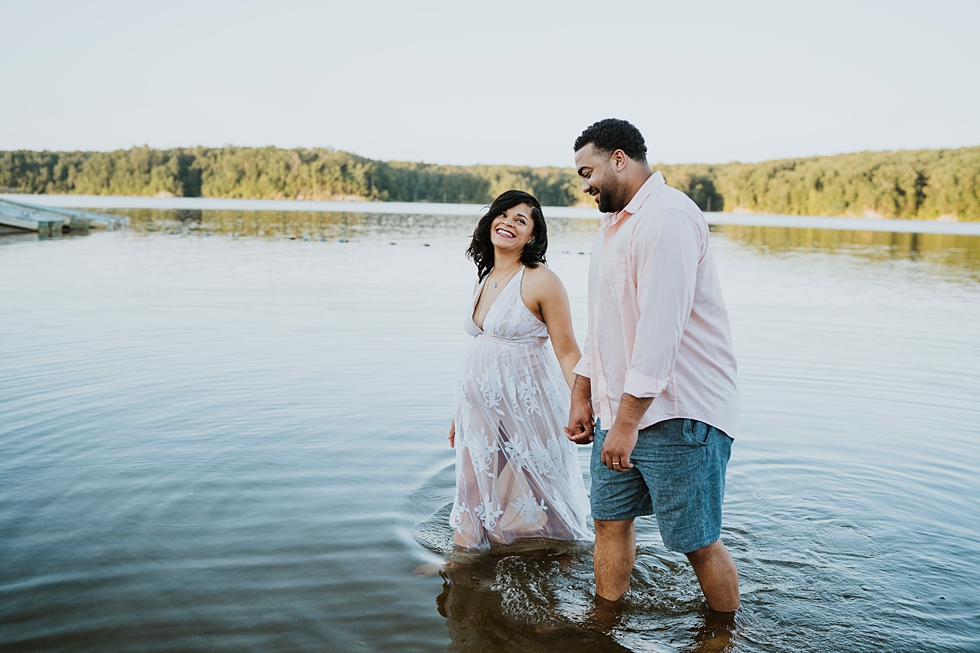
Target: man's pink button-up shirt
{"x":658,"y":326}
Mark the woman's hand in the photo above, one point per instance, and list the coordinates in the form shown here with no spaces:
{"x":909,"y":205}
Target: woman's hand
{"x":452,"y":434}
{"x":581,"y":426}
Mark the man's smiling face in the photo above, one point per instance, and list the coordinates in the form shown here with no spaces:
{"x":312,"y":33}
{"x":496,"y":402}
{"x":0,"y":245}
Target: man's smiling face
{"x":599,"y":178}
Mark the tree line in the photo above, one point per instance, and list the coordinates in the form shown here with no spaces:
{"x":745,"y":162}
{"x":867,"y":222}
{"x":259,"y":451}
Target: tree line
{"x":922,"y":184}
{"x":914,"y":184}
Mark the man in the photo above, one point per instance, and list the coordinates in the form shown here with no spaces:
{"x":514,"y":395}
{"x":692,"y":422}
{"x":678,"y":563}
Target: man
{"x":658,"y":370}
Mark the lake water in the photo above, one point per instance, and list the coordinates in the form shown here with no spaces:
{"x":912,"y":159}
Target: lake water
{"x":226,"y":431}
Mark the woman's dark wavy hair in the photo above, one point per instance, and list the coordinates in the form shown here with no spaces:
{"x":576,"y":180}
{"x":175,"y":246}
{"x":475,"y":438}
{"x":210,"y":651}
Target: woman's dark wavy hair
{"x":481,"y":249}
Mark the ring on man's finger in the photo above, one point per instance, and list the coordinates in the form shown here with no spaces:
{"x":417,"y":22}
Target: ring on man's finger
{"x":616,"y":464}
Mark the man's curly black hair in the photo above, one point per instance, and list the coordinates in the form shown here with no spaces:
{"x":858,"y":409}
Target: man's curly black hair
{"x":613,"y":134}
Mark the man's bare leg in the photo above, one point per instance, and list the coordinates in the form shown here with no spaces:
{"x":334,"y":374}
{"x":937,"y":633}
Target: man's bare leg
{"x":613,"y":557}
{"x":717,"y":574}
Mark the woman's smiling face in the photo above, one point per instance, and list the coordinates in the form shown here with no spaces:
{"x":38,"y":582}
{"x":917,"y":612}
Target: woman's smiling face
{"x":513,"y":228}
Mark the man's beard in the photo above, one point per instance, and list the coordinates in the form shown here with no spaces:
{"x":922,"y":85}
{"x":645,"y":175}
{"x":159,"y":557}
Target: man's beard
{"x":608,"y":203}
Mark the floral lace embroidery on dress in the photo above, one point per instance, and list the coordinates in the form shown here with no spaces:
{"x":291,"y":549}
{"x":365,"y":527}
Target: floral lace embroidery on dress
{"x":516,"y":474}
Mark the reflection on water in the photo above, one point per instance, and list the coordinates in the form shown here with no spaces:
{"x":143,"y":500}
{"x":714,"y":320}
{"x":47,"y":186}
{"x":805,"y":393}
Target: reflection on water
{"x":955,"y":254}
{"x":217,"y":436}
{"x":539,"y":595}
{"x":507,"y":603}
{"x":950,"y":253}
{"x":945,"y":250}
{"x":316,"y":226}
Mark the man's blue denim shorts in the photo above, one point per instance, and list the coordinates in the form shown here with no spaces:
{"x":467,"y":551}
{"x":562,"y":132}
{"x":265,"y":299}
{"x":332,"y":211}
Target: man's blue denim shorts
{"x":678,"y":474}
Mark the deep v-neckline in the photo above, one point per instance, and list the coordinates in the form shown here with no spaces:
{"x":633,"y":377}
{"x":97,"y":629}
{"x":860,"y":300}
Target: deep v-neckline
{"x":496,"y":300}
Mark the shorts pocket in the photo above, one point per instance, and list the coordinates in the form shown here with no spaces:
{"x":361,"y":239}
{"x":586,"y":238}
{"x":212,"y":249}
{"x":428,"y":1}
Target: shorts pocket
{"x":695,"y":432}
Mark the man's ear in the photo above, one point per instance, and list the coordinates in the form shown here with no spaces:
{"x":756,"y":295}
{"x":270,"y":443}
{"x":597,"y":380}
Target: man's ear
{"x":619,"y":160}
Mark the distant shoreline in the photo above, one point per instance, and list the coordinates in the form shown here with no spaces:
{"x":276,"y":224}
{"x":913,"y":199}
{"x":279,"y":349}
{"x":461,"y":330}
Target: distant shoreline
{"x":940,"y":184}
{"x":117,"y":202}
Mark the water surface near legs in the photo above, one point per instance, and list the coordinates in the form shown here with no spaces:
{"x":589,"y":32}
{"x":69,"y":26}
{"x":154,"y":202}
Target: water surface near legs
{"x":224,"y":443}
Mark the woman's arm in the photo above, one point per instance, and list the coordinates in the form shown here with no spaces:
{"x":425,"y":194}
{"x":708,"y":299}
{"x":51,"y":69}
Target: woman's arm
{"x":544,"y":291}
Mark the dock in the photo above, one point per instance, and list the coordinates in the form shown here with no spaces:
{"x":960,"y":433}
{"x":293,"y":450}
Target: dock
{"x":48,"y":220}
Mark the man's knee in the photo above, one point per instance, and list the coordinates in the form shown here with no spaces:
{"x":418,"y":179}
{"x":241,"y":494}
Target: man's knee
{"x":613,"y":528}
{"x":705,"y":553}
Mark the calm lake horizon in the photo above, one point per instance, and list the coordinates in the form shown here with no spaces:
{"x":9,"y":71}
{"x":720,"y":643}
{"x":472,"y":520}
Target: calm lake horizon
{"x":226,"y":430}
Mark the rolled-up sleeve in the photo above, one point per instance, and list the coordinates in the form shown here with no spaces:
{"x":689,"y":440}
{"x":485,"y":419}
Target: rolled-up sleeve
{"x":665,"y":255}
{"x":584,"y":365}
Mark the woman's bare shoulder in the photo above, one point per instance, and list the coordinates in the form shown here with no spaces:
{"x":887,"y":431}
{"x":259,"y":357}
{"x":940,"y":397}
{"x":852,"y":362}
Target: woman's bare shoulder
{"x":542,"y":280}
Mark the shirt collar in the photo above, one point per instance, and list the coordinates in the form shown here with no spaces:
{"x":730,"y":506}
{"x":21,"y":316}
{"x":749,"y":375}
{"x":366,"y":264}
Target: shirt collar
{"x":655,"y":181}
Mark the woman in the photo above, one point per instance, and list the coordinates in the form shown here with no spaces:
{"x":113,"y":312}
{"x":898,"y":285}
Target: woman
{"x":516,"y":473}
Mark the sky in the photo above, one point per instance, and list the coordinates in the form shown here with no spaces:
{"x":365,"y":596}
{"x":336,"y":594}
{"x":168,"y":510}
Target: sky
{"x":502,"y":82}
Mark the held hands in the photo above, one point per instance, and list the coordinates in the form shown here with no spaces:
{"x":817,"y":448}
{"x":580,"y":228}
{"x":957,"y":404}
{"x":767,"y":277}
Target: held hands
{"x":452,"y":434}
{"x":581,"y":436}
{"x":619,"y":444}
{"x":580,"y":423}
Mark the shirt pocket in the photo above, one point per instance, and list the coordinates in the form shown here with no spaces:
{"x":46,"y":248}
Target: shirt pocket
{"x":612,"y":276}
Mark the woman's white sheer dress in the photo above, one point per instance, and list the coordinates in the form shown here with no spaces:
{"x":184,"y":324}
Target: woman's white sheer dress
{"x":516,"y":473}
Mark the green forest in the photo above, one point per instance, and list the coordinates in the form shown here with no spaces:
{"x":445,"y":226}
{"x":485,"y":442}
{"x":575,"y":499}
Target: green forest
{"x":920,"y":184}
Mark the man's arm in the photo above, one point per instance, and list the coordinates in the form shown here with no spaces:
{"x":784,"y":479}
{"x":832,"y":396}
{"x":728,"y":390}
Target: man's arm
{"x":581,"y":418}
{"x":622,"y":436}
{"x":666,"y":255}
